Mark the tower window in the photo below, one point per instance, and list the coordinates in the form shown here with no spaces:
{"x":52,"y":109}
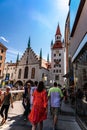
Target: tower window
{"x":54,"y":54}
{"x":56,"y":77}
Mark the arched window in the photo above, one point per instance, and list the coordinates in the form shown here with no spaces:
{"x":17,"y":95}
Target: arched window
{"x":26,"y":72}
{"x":11,"y":75}
{"x":33,"y":73}
{"x":19,"y":74}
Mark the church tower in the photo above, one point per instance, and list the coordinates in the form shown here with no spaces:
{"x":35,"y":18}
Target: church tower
{"x":57,"y":58}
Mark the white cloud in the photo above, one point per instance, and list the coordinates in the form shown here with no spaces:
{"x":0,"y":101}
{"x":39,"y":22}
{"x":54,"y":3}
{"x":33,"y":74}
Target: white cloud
{"x":61,"y":5}
{"x":13,"y":51}
{"x":4,"y":39}
{"x":39,"y":17}
{"x":12,"y":54}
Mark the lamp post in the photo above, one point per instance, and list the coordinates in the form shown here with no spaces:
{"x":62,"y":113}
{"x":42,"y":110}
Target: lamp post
{"x":45,"y":80}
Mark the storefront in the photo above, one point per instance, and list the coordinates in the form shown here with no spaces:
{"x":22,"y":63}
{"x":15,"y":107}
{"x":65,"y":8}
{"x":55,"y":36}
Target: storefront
{"x":80,"y":75}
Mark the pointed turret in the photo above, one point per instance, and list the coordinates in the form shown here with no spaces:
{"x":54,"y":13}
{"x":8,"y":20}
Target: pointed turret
{"x":58,"y":32}
{"x":52,"y":43}
{"x":40,"y":60}
{"x":41,"y":53}
{"x":17,"y":58}
{"x":48,"y":58}
{"x":29,"y":43}
{"x":58,"y":43}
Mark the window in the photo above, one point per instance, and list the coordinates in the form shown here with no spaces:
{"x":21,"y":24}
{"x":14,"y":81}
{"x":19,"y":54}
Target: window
{"x":27,"y":60}
{"x":2,"y":50}
{"x":74,"y":4}
{"x":56,"y":71}
{"x":33,"y":73}
{"x":19,"y":74}
{"x":54,"y":66}
{"x":59,"y":65}
{"x":56,"y":77}
{"x":54,"y":54}
{"x":59,"y":71}
{"x":59,"y":54}
{"x":11,"y":75}
{"x":53,"y":71}
{"x":7,"y":76}
{"x":26,"y":72}
{"x":0,"y":57}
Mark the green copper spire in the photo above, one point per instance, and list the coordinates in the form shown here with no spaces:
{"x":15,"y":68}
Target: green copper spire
{"x":29,"y":43}
{"x":48,"y":58}
{"x":40,"y":53}
{"x":52,"y":43}
{"x":17,"y":58}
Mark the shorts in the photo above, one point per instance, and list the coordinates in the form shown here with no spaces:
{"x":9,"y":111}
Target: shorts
{"x":55,"y":111}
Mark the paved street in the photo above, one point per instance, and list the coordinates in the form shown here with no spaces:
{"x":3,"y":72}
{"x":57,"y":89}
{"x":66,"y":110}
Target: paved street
{"x":16,"y":120}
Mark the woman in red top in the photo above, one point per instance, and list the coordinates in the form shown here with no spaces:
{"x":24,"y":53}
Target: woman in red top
{"x":39,"y":109}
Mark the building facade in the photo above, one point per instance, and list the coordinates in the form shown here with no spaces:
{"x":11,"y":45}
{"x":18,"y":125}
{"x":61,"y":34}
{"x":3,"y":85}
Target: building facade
{"x":57,"y":58}
{"x":2,"y":59}
{"x":30,"y":67}
{"x":78,"y":52}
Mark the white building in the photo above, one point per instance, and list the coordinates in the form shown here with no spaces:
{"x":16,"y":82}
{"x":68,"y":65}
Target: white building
{"x":32,"y":67}
{"x":57,"y":58}
{"x":29,"y":68}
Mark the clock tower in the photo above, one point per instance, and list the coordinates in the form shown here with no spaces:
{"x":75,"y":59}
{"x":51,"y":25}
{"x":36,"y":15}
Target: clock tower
{"x":57,"y":58}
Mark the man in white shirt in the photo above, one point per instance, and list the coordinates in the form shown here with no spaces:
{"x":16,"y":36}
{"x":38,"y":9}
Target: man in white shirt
{"x":31,"y":93}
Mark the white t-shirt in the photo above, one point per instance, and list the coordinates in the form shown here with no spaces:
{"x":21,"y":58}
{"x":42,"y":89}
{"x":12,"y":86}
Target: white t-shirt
{"x":31,"y":94}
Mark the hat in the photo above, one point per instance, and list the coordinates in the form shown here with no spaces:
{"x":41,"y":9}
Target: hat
{"x":8,"y":87}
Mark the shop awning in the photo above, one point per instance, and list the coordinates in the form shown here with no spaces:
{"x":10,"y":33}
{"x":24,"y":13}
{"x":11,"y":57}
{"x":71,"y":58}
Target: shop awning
{"x":67,"y":75}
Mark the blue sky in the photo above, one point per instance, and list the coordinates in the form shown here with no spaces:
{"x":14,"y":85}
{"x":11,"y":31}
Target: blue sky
{"x":37,"y":19}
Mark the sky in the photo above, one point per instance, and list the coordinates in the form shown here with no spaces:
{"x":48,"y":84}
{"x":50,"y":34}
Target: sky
{"x":37,"y":19}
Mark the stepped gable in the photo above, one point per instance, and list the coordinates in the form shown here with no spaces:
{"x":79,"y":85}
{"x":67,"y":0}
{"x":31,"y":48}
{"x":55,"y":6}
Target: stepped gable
{"x":44,"y":64}
{"x":29,"y":56}
{"x":48,"y":65}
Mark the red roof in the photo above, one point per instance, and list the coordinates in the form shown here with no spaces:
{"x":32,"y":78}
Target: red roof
{"x":58,"y":44}
{"x":58,"y":30}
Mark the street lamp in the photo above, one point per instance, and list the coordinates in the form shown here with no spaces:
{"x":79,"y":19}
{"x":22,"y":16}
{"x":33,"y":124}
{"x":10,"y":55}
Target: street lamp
{"x":45,"y":79}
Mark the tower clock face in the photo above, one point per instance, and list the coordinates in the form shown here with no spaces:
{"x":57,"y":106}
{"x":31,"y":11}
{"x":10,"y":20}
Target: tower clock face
{"x":57,"y":51}
{"x":57,"y":62}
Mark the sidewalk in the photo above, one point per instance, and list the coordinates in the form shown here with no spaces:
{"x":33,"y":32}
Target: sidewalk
{"x":16,"y":120}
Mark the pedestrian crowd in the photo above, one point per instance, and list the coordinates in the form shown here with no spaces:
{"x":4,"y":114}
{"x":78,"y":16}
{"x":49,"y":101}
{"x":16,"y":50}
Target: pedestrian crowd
{"x":35,"y":103}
